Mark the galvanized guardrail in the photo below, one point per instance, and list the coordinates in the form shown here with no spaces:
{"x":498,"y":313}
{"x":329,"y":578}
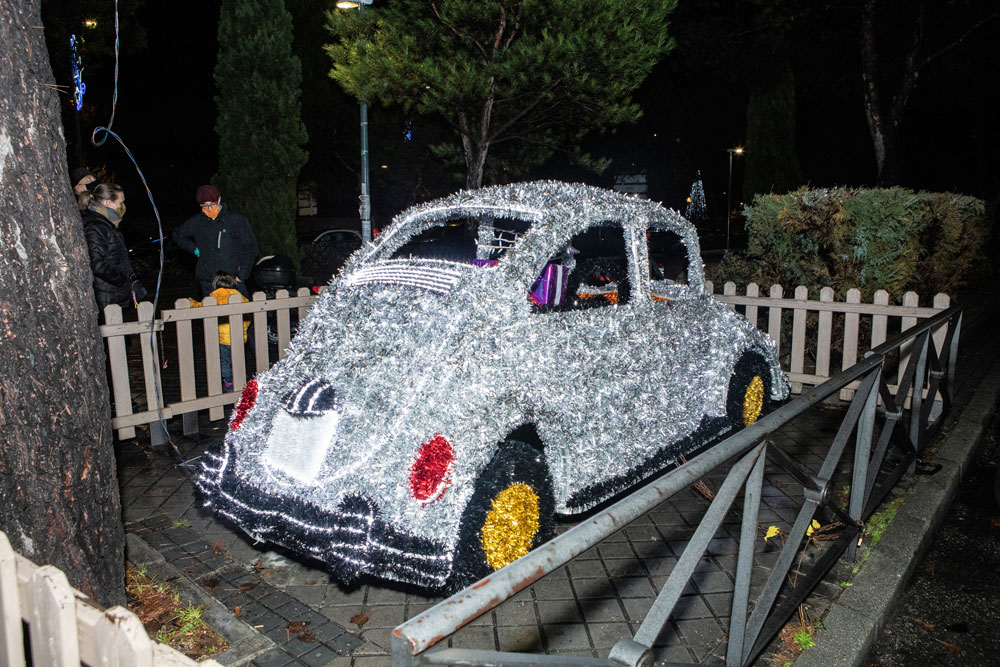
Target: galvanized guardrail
{"x":929,"y":368}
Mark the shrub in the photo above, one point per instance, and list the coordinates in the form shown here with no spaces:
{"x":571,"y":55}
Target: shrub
{"x":892,"y":239}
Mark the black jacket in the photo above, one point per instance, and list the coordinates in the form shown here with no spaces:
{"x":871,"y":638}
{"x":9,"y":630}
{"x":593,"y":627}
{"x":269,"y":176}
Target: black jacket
{"x":109,"y":262}
{"x":224,"y":244}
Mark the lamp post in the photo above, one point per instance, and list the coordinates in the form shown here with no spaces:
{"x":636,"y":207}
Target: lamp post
{"x":729,"y":190}
{"x":365,"y":209}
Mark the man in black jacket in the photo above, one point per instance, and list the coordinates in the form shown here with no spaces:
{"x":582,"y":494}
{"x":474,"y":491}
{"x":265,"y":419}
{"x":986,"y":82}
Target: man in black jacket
{"x":220,"y":238}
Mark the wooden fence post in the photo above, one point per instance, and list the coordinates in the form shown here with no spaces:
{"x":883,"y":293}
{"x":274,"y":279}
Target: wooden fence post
{"x":236,"y":346}
{"x":126,"y":642}
{"x":851,"y":325}
{"x":753,"y":290}
{"x":260,"y":335}
{"x":11,"y":638}
{"x":729,"y":289}
{"x":118,"y":362}
{"x":185,"y":367}
{"x":52,"y":619}
{"x":151,"y":372}
{"x":213,"y":366}
{"x":799,"y":336}
{"x":774,"y":319}
{"x":824,"y":334}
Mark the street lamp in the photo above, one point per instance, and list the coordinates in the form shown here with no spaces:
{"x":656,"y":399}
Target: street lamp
{"x":729,"y":190}
{"x":366,"y":205}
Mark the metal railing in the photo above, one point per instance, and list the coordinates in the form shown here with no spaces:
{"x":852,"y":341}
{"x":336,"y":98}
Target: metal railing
{"x":928,"y":366}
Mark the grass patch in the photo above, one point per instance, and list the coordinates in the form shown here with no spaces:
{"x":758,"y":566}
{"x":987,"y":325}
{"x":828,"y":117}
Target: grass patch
{"x":166,"y":619}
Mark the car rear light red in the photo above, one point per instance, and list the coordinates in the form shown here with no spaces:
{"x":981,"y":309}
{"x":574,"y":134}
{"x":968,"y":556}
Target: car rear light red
{"x":430,"y":474}
{"x":248,"y":399}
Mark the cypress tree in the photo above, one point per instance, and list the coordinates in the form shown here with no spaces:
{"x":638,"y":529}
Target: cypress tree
{"x":261,"y":135}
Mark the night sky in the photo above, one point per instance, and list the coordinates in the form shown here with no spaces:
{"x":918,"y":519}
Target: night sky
{"x":692,"y":112}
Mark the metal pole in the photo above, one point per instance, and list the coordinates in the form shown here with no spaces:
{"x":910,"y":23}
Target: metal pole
{"x":729,"y":196}
{"x":366,"y":206}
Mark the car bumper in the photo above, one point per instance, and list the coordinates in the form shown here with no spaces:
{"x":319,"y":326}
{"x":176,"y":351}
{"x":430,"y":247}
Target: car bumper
{"x":352,"y":540}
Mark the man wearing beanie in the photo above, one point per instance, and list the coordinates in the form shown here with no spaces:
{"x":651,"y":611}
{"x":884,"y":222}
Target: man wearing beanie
{"x":220,"y":238}
{"x":82,"y":180}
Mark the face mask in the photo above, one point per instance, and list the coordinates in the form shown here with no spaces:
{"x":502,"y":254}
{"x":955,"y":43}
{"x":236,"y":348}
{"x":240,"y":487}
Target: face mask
{"x":212,"y":211}
{"x":121,"y":211}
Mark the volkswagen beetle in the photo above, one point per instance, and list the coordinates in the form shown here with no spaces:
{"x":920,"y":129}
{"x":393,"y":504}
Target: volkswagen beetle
{"x":494,"y":359}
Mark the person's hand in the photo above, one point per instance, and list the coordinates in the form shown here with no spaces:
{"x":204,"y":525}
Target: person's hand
{"x":196,"y":252}
{"x":237,"y":279}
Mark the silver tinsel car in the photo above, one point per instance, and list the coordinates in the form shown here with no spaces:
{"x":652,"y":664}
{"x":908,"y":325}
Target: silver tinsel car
{"x":495,"y":358}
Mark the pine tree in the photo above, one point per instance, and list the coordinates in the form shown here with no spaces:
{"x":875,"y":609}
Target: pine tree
{"x":517,"y":81}
{"x":261,"y":135}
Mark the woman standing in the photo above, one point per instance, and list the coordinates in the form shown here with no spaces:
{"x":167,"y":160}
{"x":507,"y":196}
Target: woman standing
{"x":114,"y":280}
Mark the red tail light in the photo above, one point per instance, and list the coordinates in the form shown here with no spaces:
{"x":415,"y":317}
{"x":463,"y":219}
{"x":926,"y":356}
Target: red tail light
{"x":430,"y":474}
{"x":248,"y":399}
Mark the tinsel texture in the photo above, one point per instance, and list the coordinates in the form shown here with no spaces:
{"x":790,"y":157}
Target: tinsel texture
{"x":545,"y":335}
{"x":511,"y":525}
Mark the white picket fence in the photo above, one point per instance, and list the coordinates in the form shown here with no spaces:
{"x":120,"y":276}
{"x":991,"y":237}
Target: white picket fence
{"x":808,"y":342}
{"x":66,"y":628}
{"x":882,"y":318}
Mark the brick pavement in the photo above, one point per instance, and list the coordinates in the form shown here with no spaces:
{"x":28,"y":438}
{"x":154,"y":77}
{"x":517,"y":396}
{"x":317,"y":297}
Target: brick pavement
{"x":583,"y":608}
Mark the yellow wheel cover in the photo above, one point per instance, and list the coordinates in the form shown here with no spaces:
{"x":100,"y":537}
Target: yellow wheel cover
{"x":753,"y":400}
{"x":511,"y":525}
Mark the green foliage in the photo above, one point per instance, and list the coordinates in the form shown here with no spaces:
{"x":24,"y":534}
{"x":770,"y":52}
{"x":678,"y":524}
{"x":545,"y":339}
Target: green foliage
{"x":259,"y":123}
{"x":804,"y":639}
{"x":517,"y":81}
{"x":892,"y":239}
{"x":771,"y":162}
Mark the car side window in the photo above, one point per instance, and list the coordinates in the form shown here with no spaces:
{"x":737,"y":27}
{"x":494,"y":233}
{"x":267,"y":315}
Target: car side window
{"x":668,"y":261}
{"x":591,"y":271}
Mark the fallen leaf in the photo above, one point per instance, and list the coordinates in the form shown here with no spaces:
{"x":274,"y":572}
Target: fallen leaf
{"x":256,"y":565}
{"x":953,"y":648}
{"x":995,"y":523}
{"x":249,"y":586}
{"x":297,"y":626}
{"x":307,"y":637}
{"x":266,"y":573}
{"x":237,"y":612}
{"x":219,"y":545}
{"x":311,"y":582}
{"x":359,"y":619}
{"x":926,"y":625}
{"x":209,"y":584}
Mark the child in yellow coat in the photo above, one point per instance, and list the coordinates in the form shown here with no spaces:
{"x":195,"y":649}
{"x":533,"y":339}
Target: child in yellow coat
{"x":224,"y":286}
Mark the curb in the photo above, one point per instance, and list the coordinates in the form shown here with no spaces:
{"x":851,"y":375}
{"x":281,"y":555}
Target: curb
{"x":856,"y":618}
{"x":245,"y":643}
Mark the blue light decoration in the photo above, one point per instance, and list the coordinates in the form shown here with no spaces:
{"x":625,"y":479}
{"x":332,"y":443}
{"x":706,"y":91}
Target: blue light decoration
{"x":79,"y":87}
{"x":408,"y":129}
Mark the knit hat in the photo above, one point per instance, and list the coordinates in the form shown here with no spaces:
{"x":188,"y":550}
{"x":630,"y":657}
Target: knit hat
{"x":207,"y":193}
{"x":76,"y":175}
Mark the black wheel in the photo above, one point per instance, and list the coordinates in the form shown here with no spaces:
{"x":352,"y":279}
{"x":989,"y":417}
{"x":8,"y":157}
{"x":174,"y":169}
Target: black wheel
{"x":510,"y":513}
{"x":749,"y":390}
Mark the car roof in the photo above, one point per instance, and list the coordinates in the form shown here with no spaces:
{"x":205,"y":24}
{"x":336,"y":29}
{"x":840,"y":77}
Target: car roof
{"x":555,"y":199}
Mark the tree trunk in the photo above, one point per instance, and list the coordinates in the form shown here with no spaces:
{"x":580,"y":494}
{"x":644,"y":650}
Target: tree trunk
{"x":476,"y":142}
{"x":58,"y":486}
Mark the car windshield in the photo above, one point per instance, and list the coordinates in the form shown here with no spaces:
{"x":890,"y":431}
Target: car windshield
{"x":481,"y":241}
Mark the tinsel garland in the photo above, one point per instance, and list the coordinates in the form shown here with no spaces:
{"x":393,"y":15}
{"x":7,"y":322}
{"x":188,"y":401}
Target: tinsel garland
{"x":403,"y":348}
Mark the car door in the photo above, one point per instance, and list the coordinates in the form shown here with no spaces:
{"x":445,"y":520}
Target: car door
{"x":583,"y":358}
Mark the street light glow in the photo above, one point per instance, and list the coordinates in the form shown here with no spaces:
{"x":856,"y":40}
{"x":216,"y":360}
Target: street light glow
{"x":347,"y":4}
{"x":90,"y":23}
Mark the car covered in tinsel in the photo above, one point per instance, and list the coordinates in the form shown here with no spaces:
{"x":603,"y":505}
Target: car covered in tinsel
{"x":494,"y":359}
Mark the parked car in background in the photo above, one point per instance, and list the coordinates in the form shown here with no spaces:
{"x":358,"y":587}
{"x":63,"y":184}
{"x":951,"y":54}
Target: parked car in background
{"x":323,"y":256}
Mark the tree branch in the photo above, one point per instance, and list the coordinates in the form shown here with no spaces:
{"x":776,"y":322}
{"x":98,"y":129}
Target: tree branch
{"x":955,"y":43}
{"x":457,"y":32}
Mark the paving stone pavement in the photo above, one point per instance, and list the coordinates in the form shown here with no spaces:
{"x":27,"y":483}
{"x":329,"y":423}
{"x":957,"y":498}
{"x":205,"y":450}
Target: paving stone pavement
{"x":583,"y":608}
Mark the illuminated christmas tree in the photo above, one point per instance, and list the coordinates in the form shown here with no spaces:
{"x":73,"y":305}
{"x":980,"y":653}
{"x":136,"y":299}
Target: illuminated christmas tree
{"x":696,"y":210}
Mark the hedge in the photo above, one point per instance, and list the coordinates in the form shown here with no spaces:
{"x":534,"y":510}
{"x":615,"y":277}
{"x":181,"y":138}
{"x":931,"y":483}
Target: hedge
{"x":892,"y":239}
